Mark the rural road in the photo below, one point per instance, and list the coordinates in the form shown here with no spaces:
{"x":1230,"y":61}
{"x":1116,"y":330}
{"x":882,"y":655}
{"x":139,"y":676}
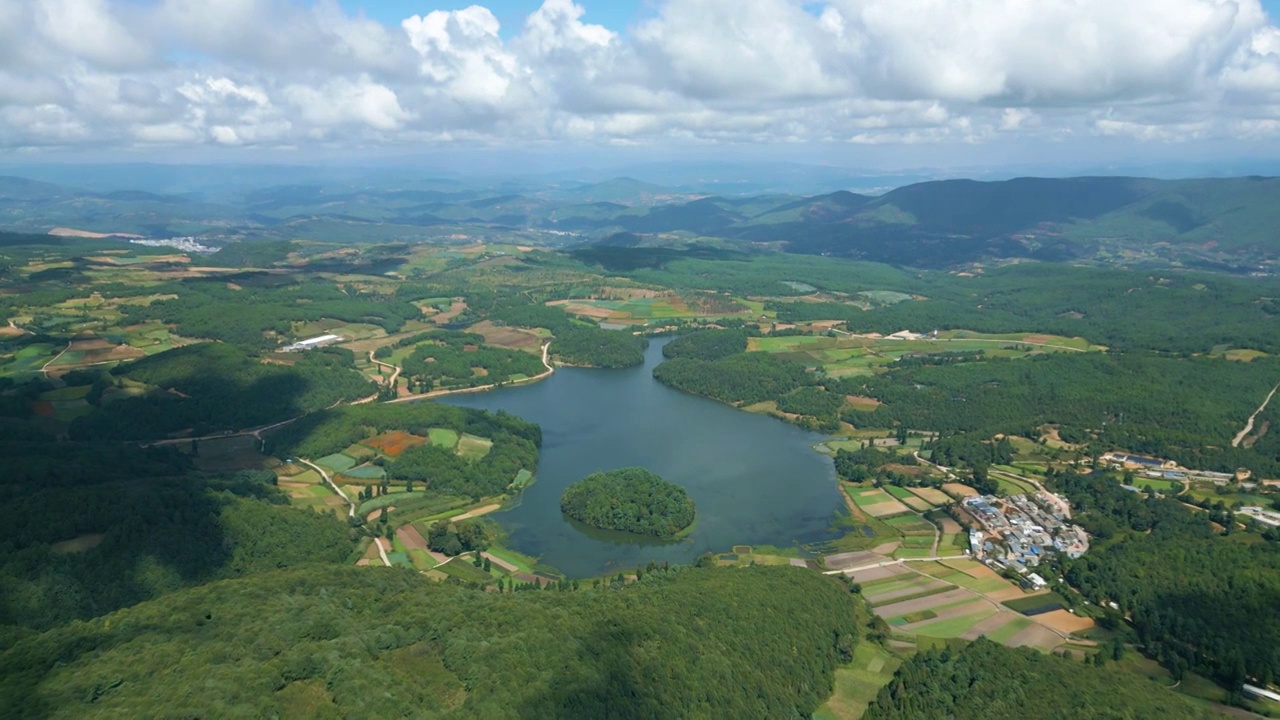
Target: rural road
{"x":44,"y":369}
{"x":255,"y":432}
{"x":352,"y":506}
{"x":482,"y":388}
{"x":1248,"y":426}
{"x":382,"y":551}
{"x":394,"y":375}
{"x":899,"y":561}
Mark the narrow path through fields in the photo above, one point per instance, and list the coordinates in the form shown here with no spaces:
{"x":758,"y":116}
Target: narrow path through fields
{"x":351,"y":509}
{"x":1248,"y":426}
{"x":395,"y":375}
{"x":44,"y":369}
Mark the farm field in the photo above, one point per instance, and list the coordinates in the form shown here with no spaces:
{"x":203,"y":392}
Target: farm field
{"x":852,"y":355}
{"x":877,"y":503}
{"x":643,"y":310}
{"x":957,"y":599}
{"x":932,"y":496}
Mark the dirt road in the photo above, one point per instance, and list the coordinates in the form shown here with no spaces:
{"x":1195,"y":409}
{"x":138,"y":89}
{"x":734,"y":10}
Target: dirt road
{"x":483,"y":388}
{"x":395,"y":375}
{"x":333,"y":486}
{"x":1248,"y":426}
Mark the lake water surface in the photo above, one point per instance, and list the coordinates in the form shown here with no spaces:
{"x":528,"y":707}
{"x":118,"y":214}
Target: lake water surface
{"x":755,"y":480}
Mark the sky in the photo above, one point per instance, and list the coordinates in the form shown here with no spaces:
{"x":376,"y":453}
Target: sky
{"x":880,"y":83}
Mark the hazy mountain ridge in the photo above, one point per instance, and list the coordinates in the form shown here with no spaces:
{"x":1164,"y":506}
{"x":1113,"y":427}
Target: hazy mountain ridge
{"x":1222,"y":223}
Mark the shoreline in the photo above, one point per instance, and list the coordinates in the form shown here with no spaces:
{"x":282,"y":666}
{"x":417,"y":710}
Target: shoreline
{"x":550,"y":370}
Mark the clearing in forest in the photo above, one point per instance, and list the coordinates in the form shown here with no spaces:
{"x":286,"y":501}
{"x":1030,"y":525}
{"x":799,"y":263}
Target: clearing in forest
{"x":394,"y":442}
{"x":473,"y":447}
{"x":443,"y":437}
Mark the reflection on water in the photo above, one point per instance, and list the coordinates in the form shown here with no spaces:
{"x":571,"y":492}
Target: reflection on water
{"x":755,"y":480}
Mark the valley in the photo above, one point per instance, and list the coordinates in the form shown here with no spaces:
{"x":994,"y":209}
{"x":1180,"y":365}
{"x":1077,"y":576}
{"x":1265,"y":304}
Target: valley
{"x":829,"y":417}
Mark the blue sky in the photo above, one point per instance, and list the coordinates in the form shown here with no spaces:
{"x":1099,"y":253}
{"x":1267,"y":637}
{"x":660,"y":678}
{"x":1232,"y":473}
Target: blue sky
{"x":613,"y":14}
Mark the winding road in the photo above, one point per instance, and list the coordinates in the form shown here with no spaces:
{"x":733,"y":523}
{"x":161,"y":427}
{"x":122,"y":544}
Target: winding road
{"x":482,"y":388}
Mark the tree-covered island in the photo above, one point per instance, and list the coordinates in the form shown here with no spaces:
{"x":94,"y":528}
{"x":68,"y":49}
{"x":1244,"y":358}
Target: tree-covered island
{"x":630,"y":500}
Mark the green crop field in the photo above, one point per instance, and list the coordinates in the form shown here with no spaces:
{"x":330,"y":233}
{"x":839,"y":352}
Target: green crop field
{"x":337,"y":462}
{"x":462,"y":569}
{"x":366,"y":472}
{"x":899,"y":492}
{"x":1005,"y":634}
{"x":954,"y":627}
{"x":910,"y":552}
{"x":443,"y":437}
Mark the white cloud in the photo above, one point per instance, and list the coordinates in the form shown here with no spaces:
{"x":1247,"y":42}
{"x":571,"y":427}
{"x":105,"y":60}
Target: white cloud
{"x":346,"y":102}
{"x":279,"y":72}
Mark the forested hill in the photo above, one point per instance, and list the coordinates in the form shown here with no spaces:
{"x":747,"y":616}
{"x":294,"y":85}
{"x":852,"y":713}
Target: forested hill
{"x":985,"y":681}
{"x":1215,"y":222}
{"x":322,"y":642}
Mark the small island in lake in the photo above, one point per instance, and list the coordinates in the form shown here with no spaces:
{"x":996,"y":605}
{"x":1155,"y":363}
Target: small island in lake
{"x":630,"y":500}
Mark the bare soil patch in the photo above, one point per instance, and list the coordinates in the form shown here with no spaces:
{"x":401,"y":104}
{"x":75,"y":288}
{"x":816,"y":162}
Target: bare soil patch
{"x":885,"y":509}
{"x":477,"y":512}
{"x":1012,"y":592}
{"x":878,"y":573}
{"x":411,"y":538}
{"x":852,"y":559}
{"x":958,"y":490}
{"x":907,"y":607}
{"x":394,"y":442}
{"x":1036,"y":636}
{"x":860,"y":402}
{"x":887,"y":548}
{"x":937,"y":497}
{"x":1064,"y":621}
{"x":990,"y":625}
{"x":507,"y":337}
{"x":457,"y":308}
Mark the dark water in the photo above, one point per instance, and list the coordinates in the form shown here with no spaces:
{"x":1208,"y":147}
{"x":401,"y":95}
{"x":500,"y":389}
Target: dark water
{"x":755,"y":480}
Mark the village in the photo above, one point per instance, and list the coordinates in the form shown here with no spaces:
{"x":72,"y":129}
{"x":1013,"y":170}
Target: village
{"x":1019,"y":531}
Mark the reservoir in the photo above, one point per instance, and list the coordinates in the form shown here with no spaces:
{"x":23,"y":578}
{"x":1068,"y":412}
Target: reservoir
{"x":755,"y":480}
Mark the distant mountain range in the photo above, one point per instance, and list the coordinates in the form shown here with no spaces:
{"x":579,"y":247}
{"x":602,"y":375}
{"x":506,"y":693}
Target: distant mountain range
{"x":1228,"y":223}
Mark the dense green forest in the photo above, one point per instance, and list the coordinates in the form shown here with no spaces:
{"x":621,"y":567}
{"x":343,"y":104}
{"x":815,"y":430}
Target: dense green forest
{"x":363,"y":642}
{"x":630,"y":500}
{"x":707,"y":345}
{"x":124,"y":540}
{"x":1122,"y":310}
{"x":744,"y":378}
{"x":985,"y":681}
{"x":211,"y":387}
{"x":456,"y":359}
{"x":1197,"y":601}
{"x":1185,"y":409}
